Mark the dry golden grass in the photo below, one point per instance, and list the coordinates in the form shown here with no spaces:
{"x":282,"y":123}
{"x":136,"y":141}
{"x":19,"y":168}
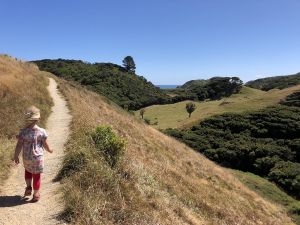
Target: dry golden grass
{"x":162,"y":181}
{"x":21,"y":85}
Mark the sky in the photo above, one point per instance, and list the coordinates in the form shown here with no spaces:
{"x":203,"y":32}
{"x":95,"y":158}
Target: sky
{"x":171,"y":41}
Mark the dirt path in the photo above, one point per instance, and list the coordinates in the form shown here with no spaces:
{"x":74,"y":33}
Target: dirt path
{"x":13,"y":209}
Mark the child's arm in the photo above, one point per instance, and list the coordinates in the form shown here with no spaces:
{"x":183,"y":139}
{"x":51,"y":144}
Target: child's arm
{"x":46,"y":146}
{"x":17,"y":151}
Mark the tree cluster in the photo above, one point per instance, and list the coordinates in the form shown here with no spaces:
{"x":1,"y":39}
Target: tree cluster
{"x":213,"y":89}
{"x":292,"y":100}
{"x":125,"y":88}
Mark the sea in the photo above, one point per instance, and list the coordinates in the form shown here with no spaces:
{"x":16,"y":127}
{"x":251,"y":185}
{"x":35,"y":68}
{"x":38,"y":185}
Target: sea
{"x":167,"y":86}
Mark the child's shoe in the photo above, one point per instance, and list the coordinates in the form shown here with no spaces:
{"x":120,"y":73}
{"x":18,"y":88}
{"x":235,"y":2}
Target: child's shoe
{"x":28,"y":191}
{"x":36,"y":197}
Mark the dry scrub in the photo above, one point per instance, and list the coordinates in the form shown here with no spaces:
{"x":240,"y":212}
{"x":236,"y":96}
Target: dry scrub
{"x":161,"y":181}
{"x":21,"y":85}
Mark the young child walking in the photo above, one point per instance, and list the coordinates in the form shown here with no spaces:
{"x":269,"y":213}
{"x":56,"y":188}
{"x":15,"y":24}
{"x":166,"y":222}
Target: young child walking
{"x":32,"y":140}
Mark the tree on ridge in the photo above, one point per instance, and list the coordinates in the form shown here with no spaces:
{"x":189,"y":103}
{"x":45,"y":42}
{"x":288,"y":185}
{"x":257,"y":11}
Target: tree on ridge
{"x":129,"y":64}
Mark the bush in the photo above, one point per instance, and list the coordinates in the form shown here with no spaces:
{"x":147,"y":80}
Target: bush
{"x":287,"y":175}
{"x":108,"y":145}
{"x":147,"y":121}
{"x":73,"y":162}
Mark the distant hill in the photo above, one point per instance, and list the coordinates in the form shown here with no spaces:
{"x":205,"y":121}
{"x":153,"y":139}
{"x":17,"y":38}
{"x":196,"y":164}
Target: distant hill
{"x":126,"y":89}
{"x":194,"y":83}
{"x":248,"y":99}
{"x":213,"y":88}
{"x":279,"y":82}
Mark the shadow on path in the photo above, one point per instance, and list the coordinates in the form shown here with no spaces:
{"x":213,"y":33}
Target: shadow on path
{"x":10,"y":201}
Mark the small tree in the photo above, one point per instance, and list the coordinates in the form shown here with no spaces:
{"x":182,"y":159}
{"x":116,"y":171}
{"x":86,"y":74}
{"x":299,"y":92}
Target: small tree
{"x":129,"y":64}
{"x":190,"y":107}
{"x":142,"y":112}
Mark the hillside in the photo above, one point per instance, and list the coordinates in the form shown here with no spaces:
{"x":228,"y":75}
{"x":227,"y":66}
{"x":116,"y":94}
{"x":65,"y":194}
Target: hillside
{"x":21,"y":85}
{"x":158,"y":181}
{"x":249,"y":99}
{"x":279,"y":82}
{"x":265,"y":142}
{"x":126,"y":89}
{"x":270,"y":191}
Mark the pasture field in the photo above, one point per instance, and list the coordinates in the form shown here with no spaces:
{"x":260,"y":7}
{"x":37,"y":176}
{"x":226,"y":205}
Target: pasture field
{"x":249,"y":99}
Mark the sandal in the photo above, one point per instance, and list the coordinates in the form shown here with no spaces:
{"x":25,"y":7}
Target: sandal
{"x":36,"y":197}
{"x":28,"y":191}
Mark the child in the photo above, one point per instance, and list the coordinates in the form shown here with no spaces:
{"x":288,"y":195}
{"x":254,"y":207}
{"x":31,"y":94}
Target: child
{"x":33,"y":140}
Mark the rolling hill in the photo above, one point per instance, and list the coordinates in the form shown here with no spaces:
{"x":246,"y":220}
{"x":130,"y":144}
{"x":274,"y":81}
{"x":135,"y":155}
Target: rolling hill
{"x":161,"y":181}
{"x":279,"y":82}
{"x":249,"y":99}
{"x":158,"y":180}
{"x":264,"y":142}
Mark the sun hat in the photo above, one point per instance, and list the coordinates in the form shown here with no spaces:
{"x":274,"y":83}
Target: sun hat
{"x":32,"y":113}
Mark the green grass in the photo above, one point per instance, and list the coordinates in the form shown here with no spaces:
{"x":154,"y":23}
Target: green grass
{"x":249,"y":99}
{"x":270,"y":192}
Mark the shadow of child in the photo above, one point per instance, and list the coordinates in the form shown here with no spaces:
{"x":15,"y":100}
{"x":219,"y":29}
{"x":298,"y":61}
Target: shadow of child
{"x":10,"y":201}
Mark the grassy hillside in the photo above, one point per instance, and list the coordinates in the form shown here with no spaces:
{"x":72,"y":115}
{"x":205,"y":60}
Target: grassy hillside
{"x":249,"y":99}
{"x":21,"y":85}
{"x":265,"y":142}
{"x":160,"y":181}
{"x":270,"y":191}
{"x":279,"y":82}
{"x":126,"y":89}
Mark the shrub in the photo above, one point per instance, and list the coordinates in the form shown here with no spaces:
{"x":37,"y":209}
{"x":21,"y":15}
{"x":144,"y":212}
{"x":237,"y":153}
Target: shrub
{"x":73,"y":162}
{"x":287,"y":175}
{"x":147,"y":121}
{"x":108,"y":145}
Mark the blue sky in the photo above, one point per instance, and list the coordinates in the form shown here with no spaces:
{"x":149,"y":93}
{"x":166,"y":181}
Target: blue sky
{"x":171,"y":41}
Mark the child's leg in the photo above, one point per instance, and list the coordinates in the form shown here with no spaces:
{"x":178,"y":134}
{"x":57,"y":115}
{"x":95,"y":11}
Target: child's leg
{"x":28,"y":178}
{"x":36,"y":182}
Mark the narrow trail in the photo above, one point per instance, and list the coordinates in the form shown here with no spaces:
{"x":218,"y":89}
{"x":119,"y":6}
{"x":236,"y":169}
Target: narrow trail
{"x":14,"y":210}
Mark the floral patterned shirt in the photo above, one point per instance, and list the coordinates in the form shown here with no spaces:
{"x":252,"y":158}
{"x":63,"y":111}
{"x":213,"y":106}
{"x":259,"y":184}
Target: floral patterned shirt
{"x":33,"y":150}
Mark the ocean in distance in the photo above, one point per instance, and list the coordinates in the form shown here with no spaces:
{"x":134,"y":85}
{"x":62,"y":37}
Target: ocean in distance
{"x":167,"y":86}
